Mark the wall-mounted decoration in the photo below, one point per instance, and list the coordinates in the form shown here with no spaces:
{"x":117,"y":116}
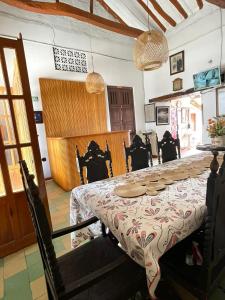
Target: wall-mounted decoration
{"x":177,"y":84}
{"x":207,"y":79}
{"x":184,"y":115}
{"x":35,"y":99}
{"x":38,"y":117}
{"x":162,"y":115}
{"x":177,"y":63}
{"x":149,"y":112}
{"x":70,"y":60}
{"x":220,"y":102}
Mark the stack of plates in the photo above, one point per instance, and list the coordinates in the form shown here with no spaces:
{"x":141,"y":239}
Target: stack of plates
{"x":129,"y":191}
{"x":157,"y":186}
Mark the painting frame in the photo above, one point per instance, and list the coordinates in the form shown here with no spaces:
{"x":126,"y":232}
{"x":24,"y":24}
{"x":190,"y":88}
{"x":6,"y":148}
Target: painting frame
{"x":162,"y":115}
{"x":220,"y":101}
{"x":177,"y":63}
{"x":177,"y":84}
{"x":38,"y":117}
{"x":149,"y":110}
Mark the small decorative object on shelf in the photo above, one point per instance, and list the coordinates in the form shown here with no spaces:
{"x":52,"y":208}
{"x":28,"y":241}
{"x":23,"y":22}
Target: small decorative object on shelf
{"x":216,"y":130}
{"x":177,"y":84}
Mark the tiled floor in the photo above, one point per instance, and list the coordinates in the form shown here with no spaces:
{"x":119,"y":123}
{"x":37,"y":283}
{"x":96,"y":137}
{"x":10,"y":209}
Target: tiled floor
{"x":21,"y":274}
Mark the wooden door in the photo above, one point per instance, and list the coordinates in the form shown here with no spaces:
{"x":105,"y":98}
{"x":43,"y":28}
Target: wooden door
{"x":121,"y":108}
{"x":18,"y":140}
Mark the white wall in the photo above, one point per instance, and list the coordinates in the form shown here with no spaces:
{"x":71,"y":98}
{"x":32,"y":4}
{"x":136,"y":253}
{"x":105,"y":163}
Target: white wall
{"x":112,"y":58}
{"x":200,"y":38}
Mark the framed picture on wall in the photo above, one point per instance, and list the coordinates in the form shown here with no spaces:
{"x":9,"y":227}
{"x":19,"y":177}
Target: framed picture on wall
{"x":162,"y":115}
{"x":149,"y":112}
{"x":177,"y":63}
{"x":38,"y":117}
{"x":220,"y":102}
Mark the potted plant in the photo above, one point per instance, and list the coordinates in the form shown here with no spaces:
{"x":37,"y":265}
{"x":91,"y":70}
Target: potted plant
{"x":216,"y":130}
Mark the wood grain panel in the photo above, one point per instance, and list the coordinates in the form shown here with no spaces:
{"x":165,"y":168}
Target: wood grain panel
{"x":62,"y":154}
{"x":69,"y":110}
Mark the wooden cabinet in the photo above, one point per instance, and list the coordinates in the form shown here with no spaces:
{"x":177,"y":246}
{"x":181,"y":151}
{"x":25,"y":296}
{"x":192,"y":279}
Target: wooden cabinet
{"x":62,"y":155}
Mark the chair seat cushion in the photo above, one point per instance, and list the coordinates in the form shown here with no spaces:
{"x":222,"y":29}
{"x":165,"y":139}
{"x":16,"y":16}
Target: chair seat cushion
{"x":119,"y":284}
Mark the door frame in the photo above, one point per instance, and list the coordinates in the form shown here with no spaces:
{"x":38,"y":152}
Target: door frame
{"x":133,"y":109}
{"x":19,"y":241}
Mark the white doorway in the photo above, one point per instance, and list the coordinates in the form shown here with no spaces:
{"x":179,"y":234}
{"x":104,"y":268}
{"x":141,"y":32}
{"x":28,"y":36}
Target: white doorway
{"x":186,"y":120}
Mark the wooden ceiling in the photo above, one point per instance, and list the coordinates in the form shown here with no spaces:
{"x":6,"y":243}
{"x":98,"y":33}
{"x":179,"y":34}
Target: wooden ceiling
{"x":127,"y":17}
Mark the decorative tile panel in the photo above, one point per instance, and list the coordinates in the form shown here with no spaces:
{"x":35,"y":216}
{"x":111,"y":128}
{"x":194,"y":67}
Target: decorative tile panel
{"x":70,"y":60}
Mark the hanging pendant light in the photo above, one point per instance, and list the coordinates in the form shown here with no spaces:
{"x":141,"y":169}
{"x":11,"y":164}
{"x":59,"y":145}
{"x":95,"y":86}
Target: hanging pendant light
{"x":150,"y":50}
{"x":94,"y":82}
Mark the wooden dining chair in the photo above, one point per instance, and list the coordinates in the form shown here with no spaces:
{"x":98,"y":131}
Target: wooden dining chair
{"x":95,"y":162}
{"x":139,"y":153}
{"x":201,"y":280}
{"x":169,"y":148}
{"x":97,"y":270}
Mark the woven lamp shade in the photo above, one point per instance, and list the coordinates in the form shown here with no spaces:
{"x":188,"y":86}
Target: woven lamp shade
{"x":94,"y":83}
{"x":150,"y":50}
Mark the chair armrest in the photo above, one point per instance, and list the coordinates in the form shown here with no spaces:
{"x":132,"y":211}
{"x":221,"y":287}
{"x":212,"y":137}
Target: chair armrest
{"x":66,"y":230}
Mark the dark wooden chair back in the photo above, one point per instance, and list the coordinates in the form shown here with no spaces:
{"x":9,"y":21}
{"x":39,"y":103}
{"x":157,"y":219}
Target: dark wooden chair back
{"x":201,"y":280}
{"x":94,"y":161}
{"x":140,"y":154}
{"x":169,"y":148}
{"x":43,"y":231}
{"x":98,"y":269}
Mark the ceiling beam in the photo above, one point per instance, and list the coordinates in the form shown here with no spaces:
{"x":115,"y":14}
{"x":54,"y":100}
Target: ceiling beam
{"x":179,"y":8}
{"x":200,"y":4}
{"x":220,"y":3}
{"x":163,"y":14}
{"x":110,"y":11}
{"x":63,"y":9}
{"x":147,"y":9}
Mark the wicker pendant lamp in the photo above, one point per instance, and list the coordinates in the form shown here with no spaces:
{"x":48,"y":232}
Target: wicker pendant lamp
{"x":94,"y":82}
{"x":150,"y":50}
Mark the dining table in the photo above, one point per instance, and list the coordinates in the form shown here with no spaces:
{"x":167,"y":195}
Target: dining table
{"x":146,"y":226}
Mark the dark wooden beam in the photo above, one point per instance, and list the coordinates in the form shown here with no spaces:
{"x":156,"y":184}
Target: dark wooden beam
{"x":147,"y":9}
{"x":172,"y":96}
{"x":200,"y":4}
{"x":63,"y":9}
{"x":163,"y":14}
{"x":91,"y":6}
{"x":110,"y":11}
{"x":179,"y":8}
{"x":220,"y":3}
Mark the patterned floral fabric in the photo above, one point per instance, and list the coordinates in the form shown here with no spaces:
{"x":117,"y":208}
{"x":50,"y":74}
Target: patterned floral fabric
{"x":146,"y":226}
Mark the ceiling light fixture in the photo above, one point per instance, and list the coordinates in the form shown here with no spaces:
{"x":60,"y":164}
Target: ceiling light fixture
{"x":150,"y":49}
{"x":94,"y":82}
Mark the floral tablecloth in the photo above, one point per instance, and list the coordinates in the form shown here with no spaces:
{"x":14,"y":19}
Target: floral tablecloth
{"x":146,"y":226}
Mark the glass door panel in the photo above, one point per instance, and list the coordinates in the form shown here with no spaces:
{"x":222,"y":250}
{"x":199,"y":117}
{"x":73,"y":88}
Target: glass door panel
{"x":2,"y":81}
{"x":18,"y":140}
{"x":21,"y":121}
{"x":13,"y":71}
{"x":27,"y":155}
{"x":2,"y":185}
{"x":6,"y":125}
{"x":12,"y":159}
